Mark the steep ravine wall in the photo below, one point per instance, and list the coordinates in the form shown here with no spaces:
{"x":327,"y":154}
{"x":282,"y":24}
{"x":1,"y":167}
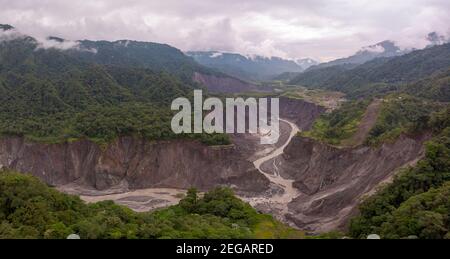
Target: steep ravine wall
{"x":333,"y":180}
{"x":142,"y":164}
{"x":300,"y":112}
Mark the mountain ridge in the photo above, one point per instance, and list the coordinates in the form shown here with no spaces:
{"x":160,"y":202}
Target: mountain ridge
{"x":381,"y":49}
{"x":380,"y":74}
{"x":252,"y":68}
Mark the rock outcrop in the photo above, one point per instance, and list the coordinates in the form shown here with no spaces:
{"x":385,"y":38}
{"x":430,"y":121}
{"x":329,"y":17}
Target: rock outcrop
{"x":138,"y":163}
{"x":142,"y":164}
{"x":333,"y":180}
{"x":300,"y":112}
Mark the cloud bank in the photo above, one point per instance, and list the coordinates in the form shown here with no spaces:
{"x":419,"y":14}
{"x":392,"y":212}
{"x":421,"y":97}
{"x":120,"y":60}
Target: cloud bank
{"x":287,"y":28}
{"x":45,"y":42}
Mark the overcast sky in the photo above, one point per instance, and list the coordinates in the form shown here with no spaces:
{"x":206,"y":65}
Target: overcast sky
{"x":320,"y":29}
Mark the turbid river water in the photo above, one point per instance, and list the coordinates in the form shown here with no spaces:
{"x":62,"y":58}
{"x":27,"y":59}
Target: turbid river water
{"x":277,"y":202}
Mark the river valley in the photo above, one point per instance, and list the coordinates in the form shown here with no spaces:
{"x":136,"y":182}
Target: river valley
{"x":275,"y":200}
{"x":303,"y":182}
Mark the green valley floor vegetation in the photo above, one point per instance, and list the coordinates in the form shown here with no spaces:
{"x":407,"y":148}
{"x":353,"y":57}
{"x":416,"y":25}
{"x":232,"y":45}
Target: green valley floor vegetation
{"x":31,"y":209}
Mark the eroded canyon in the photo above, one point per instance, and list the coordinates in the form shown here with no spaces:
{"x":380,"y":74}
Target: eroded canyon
{"x":305,"y":183}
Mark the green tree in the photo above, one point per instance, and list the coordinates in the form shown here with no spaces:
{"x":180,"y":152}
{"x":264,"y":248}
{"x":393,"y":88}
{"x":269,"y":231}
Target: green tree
{"x":189,"y":203}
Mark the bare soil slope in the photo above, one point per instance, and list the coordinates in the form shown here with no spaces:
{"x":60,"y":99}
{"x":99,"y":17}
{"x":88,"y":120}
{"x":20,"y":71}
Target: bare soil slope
{"x":367,"y":122}
{"x":332,"y":181}
{"x":133,"y":163}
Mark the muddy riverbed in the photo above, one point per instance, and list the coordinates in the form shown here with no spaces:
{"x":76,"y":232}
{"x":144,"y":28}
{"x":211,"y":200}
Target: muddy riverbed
{"x":273,"y":201}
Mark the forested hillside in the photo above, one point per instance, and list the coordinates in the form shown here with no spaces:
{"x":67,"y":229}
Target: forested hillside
{"x":154,"y":56}
{"x":55,"y":95}
{"x":416,"y":203}
{"x":435,"y":87}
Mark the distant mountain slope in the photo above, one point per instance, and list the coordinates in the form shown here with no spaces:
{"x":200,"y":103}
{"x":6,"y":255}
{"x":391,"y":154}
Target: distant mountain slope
{"x":147,"y":55}
{"x":436,"y":86}
{"x":436,"y":39}
{"x":124,"y":53}
{"x":6,"y":27}
{"x":286,"y":76}
{"x":155,"y":56}
{"x":379,"y":73}
{"x":382,"y":49}
{"x":256,"y":68}
{"x":23,"y":61}
{"x":159,"y":57}
{"x":306,"y":63}
{"x":318,"y":77}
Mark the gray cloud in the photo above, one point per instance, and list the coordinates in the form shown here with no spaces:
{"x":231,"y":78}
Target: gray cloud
{"x":288,"y":28}
{"x":45,"y":42}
